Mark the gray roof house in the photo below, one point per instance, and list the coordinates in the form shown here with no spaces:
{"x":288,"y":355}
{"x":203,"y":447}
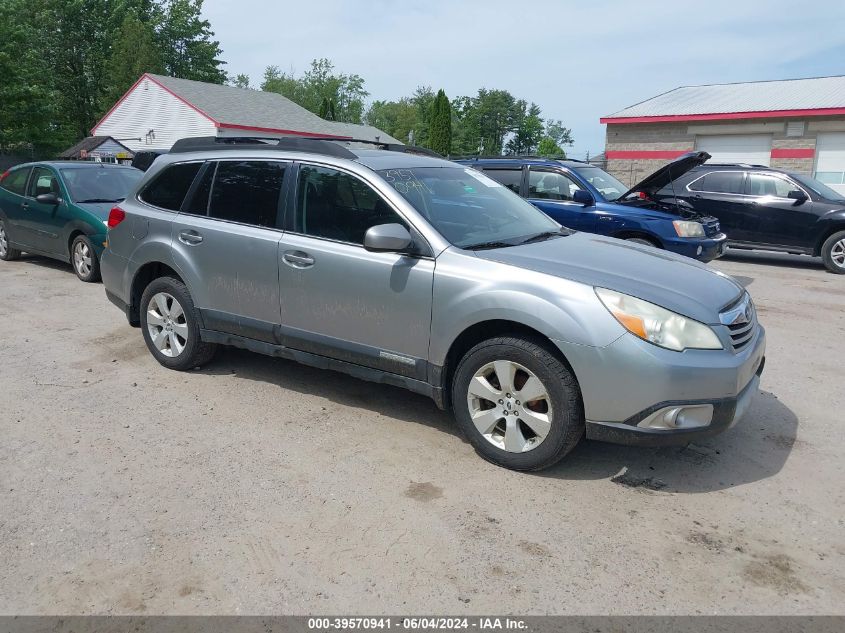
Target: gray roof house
{"x":158,"y":110}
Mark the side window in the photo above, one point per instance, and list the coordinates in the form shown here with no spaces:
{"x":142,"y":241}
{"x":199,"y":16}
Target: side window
{"x":170,"y":186}
{"x":247,"y":192}
{"x":42,"y":181}
{"x":550,"y":185}
{"x":15,"y":181}
{"x":766,"y":185}
{"x":510,"y":178}
{"x":198,"y":204}
{"x":338,"y":206}
{"x":719,"y":182}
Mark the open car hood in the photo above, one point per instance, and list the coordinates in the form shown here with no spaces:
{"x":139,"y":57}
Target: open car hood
{"x":666,"y":174}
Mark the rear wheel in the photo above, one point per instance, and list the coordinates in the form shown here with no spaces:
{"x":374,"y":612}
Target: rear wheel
{"x":833,"y":253}
{"x":7,"y":253}
{"x":517,"y":403}
{"x":170,"y":325}
{"x":86,"y":264}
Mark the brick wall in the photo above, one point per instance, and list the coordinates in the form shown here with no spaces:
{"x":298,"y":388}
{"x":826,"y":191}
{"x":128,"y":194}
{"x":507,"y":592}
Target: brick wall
{"x":635,"y":150}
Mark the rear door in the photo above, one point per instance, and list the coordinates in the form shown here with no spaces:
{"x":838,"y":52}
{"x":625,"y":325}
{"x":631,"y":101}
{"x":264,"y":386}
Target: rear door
{"x":551,"y":191}
{"x":781,"y":220}
{"x":12,"y":190}
{"x":225,"y":240}
{"x":721,"y":194}
{"x":340,"y":300}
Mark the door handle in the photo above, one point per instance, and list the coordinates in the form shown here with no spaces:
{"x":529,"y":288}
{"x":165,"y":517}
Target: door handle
{"x":191,"y":238}
{"x":298,"y":259}
{"x":25,"y":205}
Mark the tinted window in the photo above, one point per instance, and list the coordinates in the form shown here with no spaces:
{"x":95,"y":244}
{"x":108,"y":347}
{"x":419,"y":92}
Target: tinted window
{"x":198,"y":204}
{"x":15,"y":181}
{"x":338,"y":206}
{"x":170,"y":186}
{"x":43,"y":181}
{"x":468,"y":208}
{"x":100,"y":184}
{"x":550,"y":185}
{"x":247,"y":192}
{"x":510,"y":178}
{"x":765,"y":185}
{"x":719,"y":182}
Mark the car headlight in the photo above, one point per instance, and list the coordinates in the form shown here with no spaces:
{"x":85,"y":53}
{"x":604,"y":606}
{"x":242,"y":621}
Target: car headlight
{"x":686,"y":228}
{"x":658,"y":325}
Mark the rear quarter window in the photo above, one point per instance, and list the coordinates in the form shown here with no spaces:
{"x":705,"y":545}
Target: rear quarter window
{"x":169,"y":188}
{"x":15,"y":181}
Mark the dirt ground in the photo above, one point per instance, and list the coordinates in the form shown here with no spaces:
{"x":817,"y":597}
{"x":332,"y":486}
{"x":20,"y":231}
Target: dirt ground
{"x":258,"y":486}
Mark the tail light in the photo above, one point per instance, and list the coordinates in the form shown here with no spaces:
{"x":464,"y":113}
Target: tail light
{"x":5,"y":173}
{"x":116,"y":216}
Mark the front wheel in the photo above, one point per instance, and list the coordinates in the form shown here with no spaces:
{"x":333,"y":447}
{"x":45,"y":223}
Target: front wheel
{"x":517,"y":403}
{"x":170,"y":325}
{"x":7,"y":253}
{"x":86,"y":264}
{"x":833,"y":253}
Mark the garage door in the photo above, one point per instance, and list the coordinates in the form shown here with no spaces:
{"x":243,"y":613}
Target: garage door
{"x":755,"y":149}
{"x":830,"y":160}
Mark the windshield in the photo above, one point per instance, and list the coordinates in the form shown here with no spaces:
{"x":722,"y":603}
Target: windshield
{"x":468,"y":208}
{"x":610,"y":188}
{"x":100,"y":184}
{"x":820,"y":189}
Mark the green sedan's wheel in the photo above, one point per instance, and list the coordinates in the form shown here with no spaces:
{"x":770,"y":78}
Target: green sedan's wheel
{"x":7,"y":253}
{"x":85,"y":261}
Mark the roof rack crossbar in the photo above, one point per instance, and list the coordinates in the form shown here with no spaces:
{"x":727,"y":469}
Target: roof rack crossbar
{"x":391,"y":147}
{"x":290,"y":143}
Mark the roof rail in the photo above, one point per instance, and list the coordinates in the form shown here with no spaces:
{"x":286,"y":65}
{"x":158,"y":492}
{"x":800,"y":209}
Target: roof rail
{"x":513,"y":157}
{"x":708,"y":164}
{"x":390,"y":147}
{"x":289,"y":143}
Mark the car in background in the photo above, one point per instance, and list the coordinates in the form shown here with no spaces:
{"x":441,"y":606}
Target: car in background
{"x":764,"y":208}
{"x":59,"y":210}
{"x":586,"y":198}
{"x":417,"y":272}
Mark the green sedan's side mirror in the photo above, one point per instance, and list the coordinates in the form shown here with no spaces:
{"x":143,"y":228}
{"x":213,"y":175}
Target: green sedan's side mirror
{"x":48,"y":198}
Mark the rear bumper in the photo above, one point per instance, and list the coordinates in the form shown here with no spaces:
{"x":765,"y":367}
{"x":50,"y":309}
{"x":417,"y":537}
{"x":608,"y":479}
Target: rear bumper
{"x":704,"y":250}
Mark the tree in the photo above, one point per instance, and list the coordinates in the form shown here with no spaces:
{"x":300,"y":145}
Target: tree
{"x":188,"y":50}
{"x":317,"y":84}
{"x":527,"y":128}
{"x":549,"y":148}
{"x":397,"y":118}
{"x":562,"y":136}
{"x":240,"y":80}
{"x":440,"y":131}
{"x":327,"y":109}
{"x":134,"y":53}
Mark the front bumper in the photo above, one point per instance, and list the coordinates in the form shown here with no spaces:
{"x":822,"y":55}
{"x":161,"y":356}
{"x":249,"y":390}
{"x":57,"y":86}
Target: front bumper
{"x":704,"y":249}
{"x":630,"y":386}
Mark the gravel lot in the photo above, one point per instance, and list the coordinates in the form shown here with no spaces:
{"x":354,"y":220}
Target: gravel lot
{"x":260,"y":486}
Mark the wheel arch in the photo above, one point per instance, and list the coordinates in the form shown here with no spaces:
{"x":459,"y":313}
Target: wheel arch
{"x":146,"y":274}
{"x":825,"y":234}
{"x":626,"y":234}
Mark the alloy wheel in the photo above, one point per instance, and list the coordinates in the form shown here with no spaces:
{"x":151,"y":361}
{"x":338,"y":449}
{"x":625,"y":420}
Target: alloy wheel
{"x":837,"y":253}
{"x":167,"y":325}
{"x":82,"y":259}
{"x":4,"y":242}
{"x":510,"y":406}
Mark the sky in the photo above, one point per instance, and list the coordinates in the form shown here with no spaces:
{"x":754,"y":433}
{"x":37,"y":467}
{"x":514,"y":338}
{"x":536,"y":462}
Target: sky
{"x":578,"y":60}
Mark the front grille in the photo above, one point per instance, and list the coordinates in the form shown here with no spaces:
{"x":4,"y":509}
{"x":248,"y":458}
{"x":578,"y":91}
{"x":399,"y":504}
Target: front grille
{"x":711,"y":226}
{"x":741,"y":321}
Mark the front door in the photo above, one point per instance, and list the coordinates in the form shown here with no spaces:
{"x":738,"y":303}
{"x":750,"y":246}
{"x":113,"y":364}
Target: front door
{"x":225,"y":240}
{"x":781,"y":220}
{"x":47,"y":220}
{"x":552,"y":191}
{"x":721,"y":194}
{"x":340,"y":300}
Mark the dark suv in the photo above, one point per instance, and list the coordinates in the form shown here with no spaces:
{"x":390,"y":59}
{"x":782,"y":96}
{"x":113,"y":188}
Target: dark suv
{"x":764,"y":208}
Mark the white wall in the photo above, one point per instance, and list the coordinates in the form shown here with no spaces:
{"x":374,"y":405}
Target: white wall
{"x":151,"y":107}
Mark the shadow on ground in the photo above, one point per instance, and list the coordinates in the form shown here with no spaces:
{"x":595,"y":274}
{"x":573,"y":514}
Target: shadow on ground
{"x":755,"y":449}
{"x":772,"y":258}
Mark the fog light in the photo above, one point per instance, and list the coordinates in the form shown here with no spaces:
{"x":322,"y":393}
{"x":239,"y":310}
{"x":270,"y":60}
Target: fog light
{"x":686,"y":417}
{"x":698,"y":251}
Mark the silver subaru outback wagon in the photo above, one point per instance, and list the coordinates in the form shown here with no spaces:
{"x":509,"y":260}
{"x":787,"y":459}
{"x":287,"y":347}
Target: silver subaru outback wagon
{"x":411,"y":270}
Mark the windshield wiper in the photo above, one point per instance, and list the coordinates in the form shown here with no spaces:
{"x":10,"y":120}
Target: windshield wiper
{"x":98,"y":200}
{"x":547,"y":234}
{"x":485,"y":245}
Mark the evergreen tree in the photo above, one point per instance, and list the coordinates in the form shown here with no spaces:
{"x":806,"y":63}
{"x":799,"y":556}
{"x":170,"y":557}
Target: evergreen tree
{"x":188,"y":50}
{"x":327,"y":109}
{"x":440,"y":131}
{"x":134,"y":53}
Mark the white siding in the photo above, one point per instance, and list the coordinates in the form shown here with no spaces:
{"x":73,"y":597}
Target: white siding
{"x":151,"y":107}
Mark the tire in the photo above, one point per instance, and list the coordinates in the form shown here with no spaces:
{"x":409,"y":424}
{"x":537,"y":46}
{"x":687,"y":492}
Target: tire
{"x":641,"y":240}
{"x":84,"y":259}
{"x":833,"y":253}
{"x":167,"y":309}
{"x":507,"y":439}
{"x":7,"y":253}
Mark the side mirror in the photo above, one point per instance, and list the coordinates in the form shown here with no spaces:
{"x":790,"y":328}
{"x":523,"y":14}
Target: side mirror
{"x":387,"y":238}
{"x":47,"y":198}
{"x":582,"y":196}
{"x":797,"y":194}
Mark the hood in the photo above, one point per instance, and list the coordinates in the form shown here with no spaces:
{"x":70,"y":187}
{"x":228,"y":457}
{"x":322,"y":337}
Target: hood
{"x":99,"y":209}
{"x":675,"y":282}
{"x":666,"y":174}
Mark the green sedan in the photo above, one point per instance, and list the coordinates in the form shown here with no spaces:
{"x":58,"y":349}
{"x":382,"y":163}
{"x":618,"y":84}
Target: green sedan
{"x":59,"y":210}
